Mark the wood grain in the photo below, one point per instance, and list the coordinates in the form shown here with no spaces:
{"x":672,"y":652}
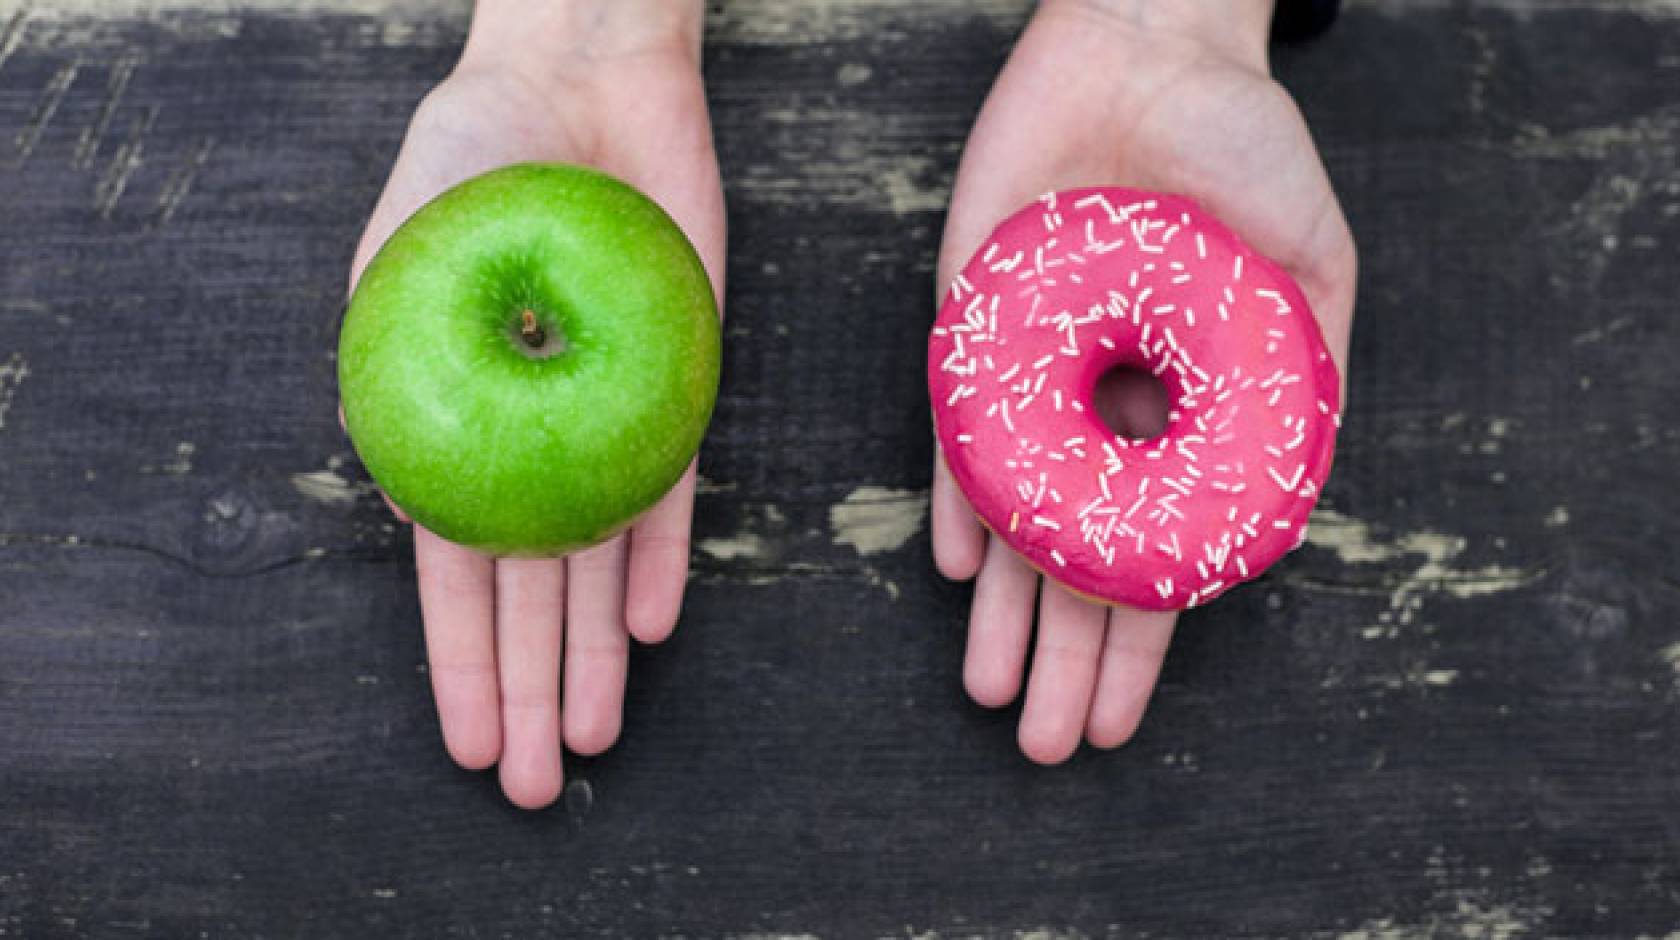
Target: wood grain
{"x":1453,"y":713}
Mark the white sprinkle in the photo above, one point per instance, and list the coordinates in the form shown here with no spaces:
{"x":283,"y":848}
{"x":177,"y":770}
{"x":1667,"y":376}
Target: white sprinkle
{"x":1047,"y":523}
{"x":965,"y":438}
{"x":1242,"y":567}
{"x":1236,"y":269}
{"x":1058,"y":557}
{"x":1201,"y":247}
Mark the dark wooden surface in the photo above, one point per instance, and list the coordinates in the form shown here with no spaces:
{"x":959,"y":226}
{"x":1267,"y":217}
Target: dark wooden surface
{"x":1455,"y":712}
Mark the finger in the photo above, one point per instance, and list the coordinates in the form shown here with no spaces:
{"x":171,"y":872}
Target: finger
{"x":659,"y":564}
{"x":597,"y":647}
{"x":457,"y":597}
{"x":1132,"y":653}
{"x":999,"y":625}
{"x":1064,"y":674}
{"x":959,"y":541}
{"x":530,"y":607}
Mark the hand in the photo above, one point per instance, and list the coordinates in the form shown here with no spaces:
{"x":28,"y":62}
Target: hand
{"x":614,"y":84}
{"x":1175,"y":96}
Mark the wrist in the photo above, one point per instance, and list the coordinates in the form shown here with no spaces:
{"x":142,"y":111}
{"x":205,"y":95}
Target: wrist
{"x":542,"y":38}
{"x":1237,"y":29}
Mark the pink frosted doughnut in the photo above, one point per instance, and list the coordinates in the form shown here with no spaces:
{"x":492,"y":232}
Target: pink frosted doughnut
{"x":1088,"y":279}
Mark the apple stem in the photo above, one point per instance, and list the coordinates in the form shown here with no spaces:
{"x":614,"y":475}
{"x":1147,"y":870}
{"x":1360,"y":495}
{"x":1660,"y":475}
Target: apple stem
{"x":530,"y":331}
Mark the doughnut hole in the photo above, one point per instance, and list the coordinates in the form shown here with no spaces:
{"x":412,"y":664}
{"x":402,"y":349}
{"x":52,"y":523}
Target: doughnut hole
{"x":1132,"y":402}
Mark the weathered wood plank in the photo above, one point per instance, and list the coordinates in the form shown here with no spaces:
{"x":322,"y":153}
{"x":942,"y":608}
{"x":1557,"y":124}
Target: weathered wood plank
{"x":1453,"y":712}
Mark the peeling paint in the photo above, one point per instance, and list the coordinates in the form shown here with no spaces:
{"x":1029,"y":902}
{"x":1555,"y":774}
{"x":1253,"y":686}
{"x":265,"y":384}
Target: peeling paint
{"x":182,"y":464}
{"x":1671,"y":655}
{"x":877,"y":519}
{"x":329,"y":487}
{"x":1638,"y":160}
{"x":1470,"y":915}
{"x":179,"y":466}
{"x":784,"y":22}
{"x":12,"y":373}
{"x":1351,"y":541}
{"x":1439,"y":677}
{"x":853,"y":73}
{"x":731,"y":547}
{"x":900,"y":184}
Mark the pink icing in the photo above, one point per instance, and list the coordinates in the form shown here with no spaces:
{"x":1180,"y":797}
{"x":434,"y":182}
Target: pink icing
{"x":1084,"y":280}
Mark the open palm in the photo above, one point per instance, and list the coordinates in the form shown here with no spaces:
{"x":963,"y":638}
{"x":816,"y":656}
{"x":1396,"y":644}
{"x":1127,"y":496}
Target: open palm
{"x":498,"y":630}
{"x":1089,"y":98}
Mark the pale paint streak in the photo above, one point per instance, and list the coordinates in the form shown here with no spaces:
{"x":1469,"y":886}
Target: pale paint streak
{"x":877,"y":519}
{"x":1671,"y":655}
{"x":329,"y":487}
{"x":12,"y":373}
{"x":1470,"y":916}
{"x":1351,"y":541}
{"x":731,"y":547}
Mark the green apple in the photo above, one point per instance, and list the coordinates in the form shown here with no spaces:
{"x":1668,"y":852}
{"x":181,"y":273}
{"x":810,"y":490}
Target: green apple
{"x":530,"y":361}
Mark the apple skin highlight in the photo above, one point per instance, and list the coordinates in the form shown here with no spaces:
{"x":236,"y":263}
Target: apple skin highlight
{"x":513,"y":448}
